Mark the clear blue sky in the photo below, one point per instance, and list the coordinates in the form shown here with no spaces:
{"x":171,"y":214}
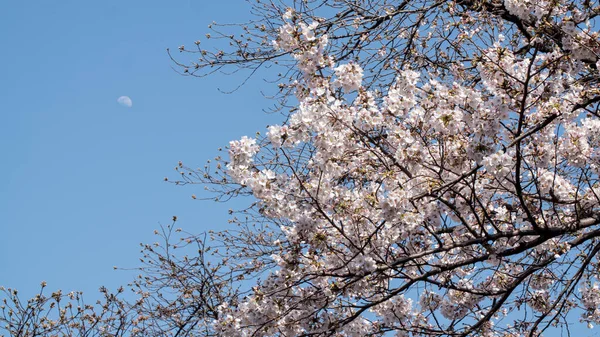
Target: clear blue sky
{"x":82,"y":176}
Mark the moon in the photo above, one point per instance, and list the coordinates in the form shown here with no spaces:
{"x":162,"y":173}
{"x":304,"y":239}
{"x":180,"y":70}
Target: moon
{"x":125,"y":101}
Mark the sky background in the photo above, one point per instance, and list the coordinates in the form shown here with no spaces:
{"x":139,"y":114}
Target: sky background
{"x":82,"y":176}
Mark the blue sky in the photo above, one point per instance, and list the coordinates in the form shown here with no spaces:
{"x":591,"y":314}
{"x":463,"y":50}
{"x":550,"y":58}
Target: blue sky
{"x":82,"y":176}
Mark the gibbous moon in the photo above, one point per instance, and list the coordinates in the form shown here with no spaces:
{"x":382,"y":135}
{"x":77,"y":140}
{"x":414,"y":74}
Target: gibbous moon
{"x":125,"y":101}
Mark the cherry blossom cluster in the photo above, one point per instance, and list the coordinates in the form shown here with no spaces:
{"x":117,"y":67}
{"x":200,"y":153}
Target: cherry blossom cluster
{"x":300,"y":39}
{"x":435,"y":186}
{"x":349,"y":77}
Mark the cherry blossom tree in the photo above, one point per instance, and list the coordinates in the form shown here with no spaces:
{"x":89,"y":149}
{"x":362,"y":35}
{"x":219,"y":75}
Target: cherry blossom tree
{"x":436,"y":173}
